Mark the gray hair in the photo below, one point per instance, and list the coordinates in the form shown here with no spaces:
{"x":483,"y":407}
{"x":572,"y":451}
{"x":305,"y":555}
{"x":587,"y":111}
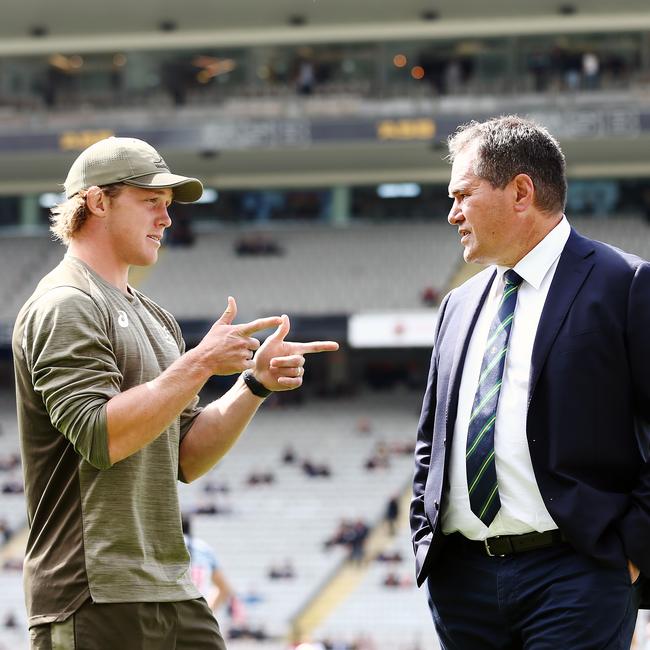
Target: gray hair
{"x":511,"y":145}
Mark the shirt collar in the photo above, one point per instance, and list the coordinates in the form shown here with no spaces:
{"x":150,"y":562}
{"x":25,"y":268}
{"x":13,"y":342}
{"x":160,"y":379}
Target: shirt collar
{"x":534,"y":266}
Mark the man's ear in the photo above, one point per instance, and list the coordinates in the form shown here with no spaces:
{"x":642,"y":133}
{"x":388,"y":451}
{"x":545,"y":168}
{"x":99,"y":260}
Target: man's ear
{"x":524,"y":192}
{"x":96,"y":201}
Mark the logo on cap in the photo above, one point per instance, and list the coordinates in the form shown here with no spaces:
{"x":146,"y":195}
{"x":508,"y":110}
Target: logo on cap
{"x":160,"y":163}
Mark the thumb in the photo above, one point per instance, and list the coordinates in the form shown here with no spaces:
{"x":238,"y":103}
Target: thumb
{"x":283,"y":329}
{"x":228,"y":316}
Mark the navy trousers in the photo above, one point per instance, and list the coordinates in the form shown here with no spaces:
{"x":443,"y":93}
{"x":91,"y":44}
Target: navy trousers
{"x":548,"y":599}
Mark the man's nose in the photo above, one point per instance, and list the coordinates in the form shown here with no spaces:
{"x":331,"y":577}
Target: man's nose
{"x":165,"y":219}
{"x":455,"y":215}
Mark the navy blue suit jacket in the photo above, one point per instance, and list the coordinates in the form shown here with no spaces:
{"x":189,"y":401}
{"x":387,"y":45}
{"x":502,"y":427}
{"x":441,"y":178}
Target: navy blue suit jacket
{"x":588,"y":420}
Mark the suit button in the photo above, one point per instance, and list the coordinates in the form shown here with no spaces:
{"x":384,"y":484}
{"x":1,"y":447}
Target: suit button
{"x":436,"y":505}
{"x":444,"y":441}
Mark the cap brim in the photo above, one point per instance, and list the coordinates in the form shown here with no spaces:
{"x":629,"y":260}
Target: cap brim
{"x":186,"y":190}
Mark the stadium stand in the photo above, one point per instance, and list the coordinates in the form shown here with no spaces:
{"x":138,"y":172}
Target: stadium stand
{"x":305,"y":509}
{"x":322,"y":270}
{"x":394,"y":612}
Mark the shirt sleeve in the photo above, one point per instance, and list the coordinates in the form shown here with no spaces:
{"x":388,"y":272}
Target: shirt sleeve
{"x":192,"y":410}
{"x":73,"y":367}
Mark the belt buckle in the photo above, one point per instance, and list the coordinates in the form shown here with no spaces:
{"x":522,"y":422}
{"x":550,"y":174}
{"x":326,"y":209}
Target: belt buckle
{"x":488,"y":550}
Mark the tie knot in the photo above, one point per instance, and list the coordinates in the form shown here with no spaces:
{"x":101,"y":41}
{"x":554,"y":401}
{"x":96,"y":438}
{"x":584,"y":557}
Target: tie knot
{"x":512,"y":278}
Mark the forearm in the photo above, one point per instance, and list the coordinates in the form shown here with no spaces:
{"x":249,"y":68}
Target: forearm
{"x":216,"y":430}
{"x":139,"y":415}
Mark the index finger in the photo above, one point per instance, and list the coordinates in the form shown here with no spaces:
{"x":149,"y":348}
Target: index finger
{"x":314,"y":346}
{"x":259,"y":324}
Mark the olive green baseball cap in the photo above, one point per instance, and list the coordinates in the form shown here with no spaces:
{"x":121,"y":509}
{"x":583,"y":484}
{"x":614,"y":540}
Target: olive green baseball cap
{"x":130,"y":161}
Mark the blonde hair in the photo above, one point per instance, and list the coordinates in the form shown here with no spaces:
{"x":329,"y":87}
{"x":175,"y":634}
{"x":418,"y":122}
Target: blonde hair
{"x":68,"y":217}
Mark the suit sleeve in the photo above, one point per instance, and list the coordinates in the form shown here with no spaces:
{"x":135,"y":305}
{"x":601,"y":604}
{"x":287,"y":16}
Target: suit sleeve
{"x":634,"y":526}
{"x":420,"y":527}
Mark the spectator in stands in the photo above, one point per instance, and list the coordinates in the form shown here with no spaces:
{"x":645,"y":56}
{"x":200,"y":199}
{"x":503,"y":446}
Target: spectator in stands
{"x":379,"y":459}
{"x":284,"y":571}
{"x":430,"y":296}
{"x":260,"y":478}
{"x":12,"y":487}
{"x":543,"y":481}
{"x":206,"y":571}
{"x":392,"y":513}
{"x":108,"y":415}
{"x":257,"y":244}
{"x":5,"y":531}
{"x":315,"y":470}
{"x":289,"y":455}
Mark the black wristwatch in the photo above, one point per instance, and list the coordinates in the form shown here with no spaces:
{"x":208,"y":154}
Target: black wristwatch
{"x":255,"y":386}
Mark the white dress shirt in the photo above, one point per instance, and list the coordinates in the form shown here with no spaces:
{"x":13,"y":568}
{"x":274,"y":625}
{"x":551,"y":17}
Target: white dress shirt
{"x":522,"y":508}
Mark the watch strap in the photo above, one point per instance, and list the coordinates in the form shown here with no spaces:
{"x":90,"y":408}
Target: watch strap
{"x":257,"y":388}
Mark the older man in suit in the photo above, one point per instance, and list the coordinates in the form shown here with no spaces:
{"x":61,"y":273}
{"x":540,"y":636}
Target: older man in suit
{"x":531,"y":505}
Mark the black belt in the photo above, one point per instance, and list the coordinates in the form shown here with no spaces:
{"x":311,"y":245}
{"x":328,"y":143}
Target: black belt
{"x":502,"y":545}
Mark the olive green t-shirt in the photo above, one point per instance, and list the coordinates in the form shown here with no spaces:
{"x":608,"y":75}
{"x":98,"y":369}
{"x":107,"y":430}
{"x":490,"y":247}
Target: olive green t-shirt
{"x":108,"y":532}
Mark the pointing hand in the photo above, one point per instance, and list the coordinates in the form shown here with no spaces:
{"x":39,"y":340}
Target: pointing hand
{"x":279,"y":364}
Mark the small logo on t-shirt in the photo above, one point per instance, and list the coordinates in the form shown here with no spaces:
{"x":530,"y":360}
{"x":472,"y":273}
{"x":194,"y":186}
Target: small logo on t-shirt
{"x":122,"y":318}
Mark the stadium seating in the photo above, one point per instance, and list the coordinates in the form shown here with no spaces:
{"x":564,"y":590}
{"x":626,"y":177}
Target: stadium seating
{"x":397,"y":614}
{"x":293,"y":517}
{"x":323,"y":270}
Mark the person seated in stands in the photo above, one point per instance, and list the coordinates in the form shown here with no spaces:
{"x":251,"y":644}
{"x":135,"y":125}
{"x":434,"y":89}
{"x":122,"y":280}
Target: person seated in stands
{"x":358,"y":536}
{"x":5,"y":531}
{"x":351,"y":534}
{"x":9,"y":462}
{"x":289,"y":455}
{"x":260,"y":478}
{"x":212,"y":508}
{"x":13,"y":564}
{"x":379,"y":459}
{"x":212,"y":487}
{"x":283,"y":571}
{"x":257,"y":244}
{"x":315,"y":470}
{"x":247,"y":632}
{"x":12,"y":487}
{"x":430,"y":296}
{"x":390,"y":557}
{"x":10,"y":621}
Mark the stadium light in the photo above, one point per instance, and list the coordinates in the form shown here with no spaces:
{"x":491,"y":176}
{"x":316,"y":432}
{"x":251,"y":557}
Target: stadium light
{"x":209,"y":196}
{"x":50,"y":199}
{"x":399,"y":190}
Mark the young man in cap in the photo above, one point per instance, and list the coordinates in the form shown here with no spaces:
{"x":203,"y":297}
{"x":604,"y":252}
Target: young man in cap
{"x":108,"y":415}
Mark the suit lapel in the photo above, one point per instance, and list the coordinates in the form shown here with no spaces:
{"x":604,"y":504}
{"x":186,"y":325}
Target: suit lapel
{"x":572,"y":270}
{"x":472,"y":305}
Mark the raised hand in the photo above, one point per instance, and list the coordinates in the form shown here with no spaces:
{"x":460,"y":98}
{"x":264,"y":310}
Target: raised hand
{"x":228,"y":349}
{"x":279,"y":364}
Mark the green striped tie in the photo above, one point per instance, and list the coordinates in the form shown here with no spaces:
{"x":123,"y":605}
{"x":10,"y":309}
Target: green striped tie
{"x":481,"y":471}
